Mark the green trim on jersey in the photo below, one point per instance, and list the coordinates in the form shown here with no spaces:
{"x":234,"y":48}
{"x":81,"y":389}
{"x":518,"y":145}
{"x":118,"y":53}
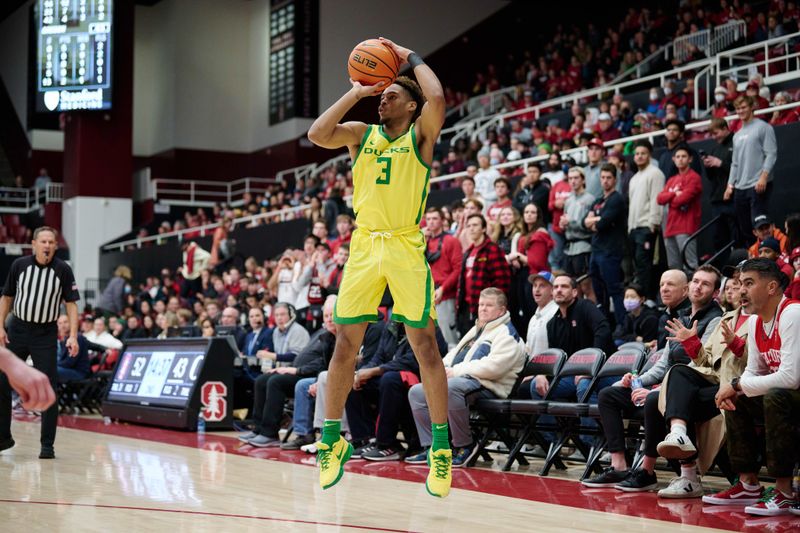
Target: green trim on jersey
{"x":426,"y":311}
{"x":363,"y":142}
{"x":385,"y":136}
{"x":416,"y":148}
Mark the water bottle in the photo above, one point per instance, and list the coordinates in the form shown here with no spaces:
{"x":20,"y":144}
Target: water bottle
{"x":636,"y":383}
{"x":201,"y":424}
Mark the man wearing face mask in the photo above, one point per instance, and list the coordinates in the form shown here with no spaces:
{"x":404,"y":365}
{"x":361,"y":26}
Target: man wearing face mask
{"x":722,"y":107}
{"x":652,"y":106}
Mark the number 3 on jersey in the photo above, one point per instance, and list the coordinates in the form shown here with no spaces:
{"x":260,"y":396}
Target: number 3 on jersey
{"x":386,"y":172}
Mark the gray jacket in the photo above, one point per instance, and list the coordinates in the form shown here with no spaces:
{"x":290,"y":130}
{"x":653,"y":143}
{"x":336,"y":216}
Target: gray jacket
{"x":754,"y":150}
{"x":579,"y":239}
{"x":113,"y":297}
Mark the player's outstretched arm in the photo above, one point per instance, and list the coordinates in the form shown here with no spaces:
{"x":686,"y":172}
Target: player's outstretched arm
{"x":431,"y":119}
{"x":33,"y":387}
{"x":326,"y":130}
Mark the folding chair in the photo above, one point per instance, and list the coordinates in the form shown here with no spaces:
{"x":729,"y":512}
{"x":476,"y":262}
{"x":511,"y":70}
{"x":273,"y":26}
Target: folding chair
{"x":634,"y":429}
{"x":619,"y":364}
{"x":498,"y":412}
{"x":586,"y":362}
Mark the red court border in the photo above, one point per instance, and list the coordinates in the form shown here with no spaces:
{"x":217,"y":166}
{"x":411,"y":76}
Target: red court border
{"x":520,"y":486}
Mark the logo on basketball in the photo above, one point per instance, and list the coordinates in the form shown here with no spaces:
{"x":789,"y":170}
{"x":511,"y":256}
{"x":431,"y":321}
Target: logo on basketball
{"x":212,"y":396}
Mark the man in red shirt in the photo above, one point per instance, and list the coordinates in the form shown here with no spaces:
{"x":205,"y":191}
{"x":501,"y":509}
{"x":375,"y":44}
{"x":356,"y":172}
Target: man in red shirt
{"x":444,"y":257}
{"x":344,"y":228}
{"x":682,"y":194}
{"x":483,"y":265}
{"x":502,"y":188}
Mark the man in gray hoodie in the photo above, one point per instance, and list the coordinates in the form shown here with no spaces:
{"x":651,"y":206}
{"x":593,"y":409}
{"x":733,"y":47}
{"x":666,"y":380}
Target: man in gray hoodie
{"x":579,"y":239}
{"x":755,"y":152}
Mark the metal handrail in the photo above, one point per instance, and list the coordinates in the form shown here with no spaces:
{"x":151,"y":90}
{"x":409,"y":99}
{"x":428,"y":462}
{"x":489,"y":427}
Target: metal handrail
{"x":695,"y":235}
{"x":204,"y":188}
{"x":735,"y":54}
{"x":664,"y":50}
{"x":283,"y":213}
{"x":24,"y":200}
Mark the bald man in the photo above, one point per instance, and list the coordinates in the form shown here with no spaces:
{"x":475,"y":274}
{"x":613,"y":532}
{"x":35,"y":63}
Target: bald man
{"x":674,"y":291}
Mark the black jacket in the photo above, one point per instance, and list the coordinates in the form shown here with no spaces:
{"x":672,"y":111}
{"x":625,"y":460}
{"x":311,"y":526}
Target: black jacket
{"x":539,"y":194}
{"x":394,"y":352}
{"x":611,"y":228}
{"x":645,"y":326}
{"x":669,"y":314}
{"x":718,"y":176}
{"x":314,"y":358}
{"x":585,"y":326}
{"x":677,"y":354}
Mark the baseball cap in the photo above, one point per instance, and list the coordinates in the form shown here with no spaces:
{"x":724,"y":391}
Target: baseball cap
{"x":720,"y":90}
{"x":729,"y":270}
{"x":596,"y":142}
{"x":761,"y":220}
{"x":795,"y":254}
{"x":771,"y":243}
{"x":604,"y":116}
{"x":544,"y":274}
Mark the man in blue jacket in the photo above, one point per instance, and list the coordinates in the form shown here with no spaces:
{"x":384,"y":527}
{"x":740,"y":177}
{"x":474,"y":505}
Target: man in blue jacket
{"x":71,"y":367}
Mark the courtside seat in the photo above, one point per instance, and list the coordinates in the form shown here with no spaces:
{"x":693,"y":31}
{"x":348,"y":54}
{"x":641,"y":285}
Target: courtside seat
{"x":498,"y":413}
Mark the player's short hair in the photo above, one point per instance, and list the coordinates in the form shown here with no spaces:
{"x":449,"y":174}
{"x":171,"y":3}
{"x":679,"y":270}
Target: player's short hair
{"x":766,"y":268}
{"x":414,"y":90}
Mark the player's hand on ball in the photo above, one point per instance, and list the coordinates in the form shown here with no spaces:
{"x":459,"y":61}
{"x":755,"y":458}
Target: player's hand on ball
{"x":362,"y":91}
{"x":401,"y":52}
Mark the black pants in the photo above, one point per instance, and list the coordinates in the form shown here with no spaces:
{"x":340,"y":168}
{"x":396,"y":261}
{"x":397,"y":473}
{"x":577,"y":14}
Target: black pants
{"x":690,"y":396}
{"x":615,"y":405}
{"x":727,"y":227}
{"x":38,"y":341}
{"x":270,"y":394}
{"x":390,"y":394}
{"x":644,"y":245}
{"x":748,"y":204}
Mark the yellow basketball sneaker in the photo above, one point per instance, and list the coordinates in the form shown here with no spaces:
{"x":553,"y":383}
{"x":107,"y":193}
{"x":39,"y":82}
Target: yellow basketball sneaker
{"x":440,"y":474}
{"x":331,"y":460}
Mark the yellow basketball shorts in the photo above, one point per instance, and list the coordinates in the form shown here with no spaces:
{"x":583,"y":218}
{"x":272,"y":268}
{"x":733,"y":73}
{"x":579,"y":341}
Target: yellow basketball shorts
{"x":380,"y":258}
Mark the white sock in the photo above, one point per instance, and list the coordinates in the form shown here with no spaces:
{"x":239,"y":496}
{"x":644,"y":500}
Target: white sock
{"x":689,"y":472}
{"x":748,"y":486}
{"x":678,"y":428}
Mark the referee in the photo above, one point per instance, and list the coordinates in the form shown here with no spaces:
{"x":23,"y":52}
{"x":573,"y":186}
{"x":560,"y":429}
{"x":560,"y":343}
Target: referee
{"x":34,"y":289}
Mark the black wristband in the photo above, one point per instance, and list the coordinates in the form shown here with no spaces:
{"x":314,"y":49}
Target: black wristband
{"x":414,"y":60}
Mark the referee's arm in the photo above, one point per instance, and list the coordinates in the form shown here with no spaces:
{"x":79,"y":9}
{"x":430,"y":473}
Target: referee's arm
{"x":72,"y":341}
{"x":5,"y":306}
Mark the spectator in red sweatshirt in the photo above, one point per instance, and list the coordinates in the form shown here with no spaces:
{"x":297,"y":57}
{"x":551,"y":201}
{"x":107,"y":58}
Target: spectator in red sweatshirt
{"x":444,"y":257}
{"x":682,"y":194}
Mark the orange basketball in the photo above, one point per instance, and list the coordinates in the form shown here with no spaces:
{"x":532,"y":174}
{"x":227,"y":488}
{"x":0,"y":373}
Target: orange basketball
{"x":371,"y":62}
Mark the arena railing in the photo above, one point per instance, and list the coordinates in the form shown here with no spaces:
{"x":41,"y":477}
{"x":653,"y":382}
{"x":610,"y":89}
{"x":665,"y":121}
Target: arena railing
{"x":473,"y":128}
{"x":292,"y":213}
{"x":206,"y":193}
{"x":24,"y":200}
{"x":740,"y":64}
{"x":710,"y":41}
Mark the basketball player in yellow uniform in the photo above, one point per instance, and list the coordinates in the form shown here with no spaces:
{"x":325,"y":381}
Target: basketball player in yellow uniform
{"x":391,"y":169}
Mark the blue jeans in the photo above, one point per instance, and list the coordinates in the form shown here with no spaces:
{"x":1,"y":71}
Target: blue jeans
{"x":556,"y":257}
{"x":303,"y":407}
{"x":606,"y":271}
{"x":65,"y":375}
{"x":567,"y":390}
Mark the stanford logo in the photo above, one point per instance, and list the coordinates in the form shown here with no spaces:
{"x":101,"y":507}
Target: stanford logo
{"x":212,"y":396}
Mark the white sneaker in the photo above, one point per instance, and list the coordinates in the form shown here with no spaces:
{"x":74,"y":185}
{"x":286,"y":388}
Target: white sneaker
{"x":309,"y":448}
{"x":682,"y":487}
{"x":676,"y":446}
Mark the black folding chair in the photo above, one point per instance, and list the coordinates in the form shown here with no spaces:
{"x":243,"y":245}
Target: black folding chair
{"x":498,"y":413}
{"x":586,"y":362}
{"x":633,"y":345}
{"x":635,"y":423}
{"x":619,"y":364}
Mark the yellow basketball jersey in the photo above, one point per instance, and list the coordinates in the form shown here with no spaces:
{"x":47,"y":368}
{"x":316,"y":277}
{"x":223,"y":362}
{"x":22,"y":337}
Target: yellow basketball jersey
{"x":390,"y":181}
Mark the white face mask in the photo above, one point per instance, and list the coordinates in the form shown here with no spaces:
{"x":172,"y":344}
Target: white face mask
{"x":719,"y":98}
{"x":654,"y":96}
{"x":667,"y":91}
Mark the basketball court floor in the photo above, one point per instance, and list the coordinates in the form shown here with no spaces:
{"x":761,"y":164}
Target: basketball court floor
{"x":121,"y":477}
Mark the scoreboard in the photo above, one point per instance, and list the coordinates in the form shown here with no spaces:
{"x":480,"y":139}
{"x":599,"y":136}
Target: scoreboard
{"x":156,"y":377}
{"x":172,"y":382}
{"x":73,"y":55}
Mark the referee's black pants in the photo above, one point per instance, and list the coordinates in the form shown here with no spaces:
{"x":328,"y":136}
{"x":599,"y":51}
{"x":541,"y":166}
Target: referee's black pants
{"x":38,"y":341}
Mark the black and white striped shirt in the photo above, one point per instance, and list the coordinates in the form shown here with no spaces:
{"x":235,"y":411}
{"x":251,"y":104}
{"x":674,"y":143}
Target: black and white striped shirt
{"x":38,"y":289}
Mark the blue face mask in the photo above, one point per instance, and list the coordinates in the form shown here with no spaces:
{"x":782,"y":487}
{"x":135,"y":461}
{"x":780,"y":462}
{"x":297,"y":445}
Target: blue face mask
{"x":632,"y":304}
